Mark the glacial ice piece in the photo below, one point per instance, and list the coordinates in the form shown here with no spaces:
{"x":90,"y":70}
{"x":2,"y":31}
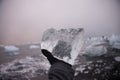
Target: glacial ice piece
{"x":115,"y":41}
{"x":11,"y":50}
{"x":96,"y":46}
{"x":34,"y":47}
{"x":63,"y":43}
{"x":96,"y":50}
{"x":117,"y":58}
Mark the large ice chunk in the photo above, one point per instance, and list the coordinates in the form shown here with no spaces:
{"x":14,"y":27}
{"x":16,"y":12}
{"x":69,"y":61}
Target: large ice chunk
{"x":115,"y":41}
{"x":63,"y":43}
{"x":96,"y":46}
{"x":11,"y":50}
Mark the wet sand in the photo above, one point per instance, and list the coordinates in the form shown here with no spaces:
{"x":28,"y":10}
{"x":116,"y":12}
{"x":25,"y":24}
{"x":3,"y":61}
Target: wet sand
{"x":24,"y":51}
{"x":95,"y":69}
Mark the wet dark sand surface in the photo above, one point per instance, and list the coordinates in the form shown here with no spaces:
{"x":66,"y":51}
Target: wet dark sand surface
{"x":24,"y":51}
{"x":97,"y":68}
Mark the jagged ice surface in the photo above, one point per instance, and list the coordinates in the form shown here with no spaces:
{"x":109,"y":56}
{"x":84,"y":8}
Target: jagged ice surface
{"x":63,"y":43}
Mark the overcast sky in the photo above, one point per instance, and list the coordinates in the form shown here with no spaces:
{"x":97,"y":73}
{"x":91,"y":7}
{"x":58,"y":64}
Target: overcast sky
{"x":25,"y":20}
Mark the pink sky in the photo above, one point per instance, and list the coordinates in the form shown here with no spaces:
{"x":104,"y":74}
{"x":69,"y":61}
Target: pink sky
{"x":24,"y":21}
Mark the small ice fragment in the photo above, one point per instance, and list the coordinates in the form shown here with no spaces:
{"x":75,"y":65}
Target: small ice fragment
{"x":117,"y":58}
{"x":34,"y":46}
{"x":81,"y":69}
{"x":11,"y":49}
